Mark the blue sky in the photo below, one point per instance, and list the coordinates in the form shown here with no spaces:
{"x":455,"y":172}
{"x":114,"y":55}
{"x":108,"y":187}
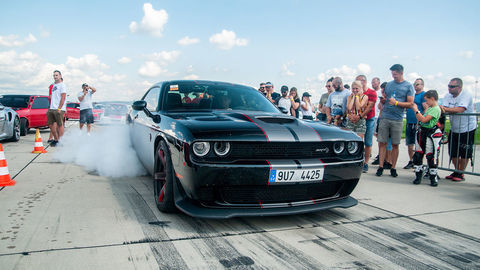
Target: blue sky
{"x":297,"y":43}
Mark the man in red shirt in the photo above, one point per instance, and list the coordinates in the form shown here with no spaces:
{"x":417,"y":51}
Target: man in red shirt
{"x":369,"y":115}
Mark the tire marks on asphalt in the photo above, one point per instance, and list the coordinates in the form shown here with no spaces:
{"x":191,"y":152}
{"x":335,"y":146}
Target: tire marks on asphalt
{"x":165,"y":253}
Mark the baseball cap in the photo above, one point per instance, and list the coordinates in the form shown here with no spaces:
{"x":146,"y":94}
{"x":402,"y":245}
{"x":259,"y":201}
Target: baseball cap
{"x":268,"y":84}
{"x":85,"y":84}
{"x":306,"y":94}
{"x":284,"y":88}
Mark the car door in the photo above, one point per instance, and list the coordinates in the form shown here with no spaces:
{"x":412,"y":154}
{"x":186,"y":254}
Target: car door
{"x":143,"y":136}
{"x":38,"y":112}
{"x":2,"y":118}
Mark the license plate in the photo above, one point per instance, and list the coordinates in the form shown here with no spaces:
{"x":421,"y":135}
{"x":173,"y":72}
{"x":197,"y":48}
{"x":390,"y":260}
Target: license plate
{"x":295,"y":175}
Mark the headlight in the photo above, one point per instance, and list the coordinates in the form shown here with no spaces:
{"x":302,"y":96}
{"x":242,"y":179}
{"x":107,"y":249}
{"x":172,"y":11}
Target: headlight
{"x":221,"y":148}
{"x":338,"y":147}
{"x":352,"y":147}
{"x":201,"y":148}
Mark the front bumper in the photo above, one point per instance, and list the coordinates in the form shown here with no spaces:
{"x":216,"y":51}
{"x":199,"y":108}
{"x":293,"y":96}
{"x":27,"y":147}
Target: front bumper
{"x":224,"y":191}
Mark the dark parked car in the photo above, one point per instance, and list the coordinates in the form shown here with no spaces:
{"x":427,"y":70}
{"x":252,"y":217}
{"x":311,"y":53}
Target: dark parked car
{"x":9,"y":124}
{"x":220,"y":150}
{"x":32,"y":110}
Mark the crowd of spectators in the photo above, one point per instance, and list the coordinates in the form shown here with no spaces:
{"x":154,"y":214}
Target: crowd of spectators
{"x":380,"y":111}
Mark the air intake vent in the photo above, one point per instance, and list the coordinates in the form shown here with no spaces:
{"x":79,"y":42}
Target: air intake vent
{"x":276,"y":120}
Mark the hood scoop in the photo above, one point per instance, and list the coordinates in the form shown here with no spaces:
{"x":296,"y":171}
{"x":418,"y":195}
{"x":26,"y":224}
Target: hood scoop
{"x":276,"y":120}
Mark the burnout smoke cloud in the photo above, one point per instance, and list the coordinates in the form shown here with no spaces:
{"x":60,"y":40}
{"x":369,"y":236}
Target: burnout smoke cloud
{"x":107,"y":151}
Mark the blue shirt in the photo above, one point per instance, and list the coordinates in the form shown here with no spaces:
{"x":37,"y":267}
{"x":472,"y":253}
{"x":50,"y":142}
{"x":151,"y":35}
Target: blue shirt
{"x":411,"y":119}
{"x":400,"y":92}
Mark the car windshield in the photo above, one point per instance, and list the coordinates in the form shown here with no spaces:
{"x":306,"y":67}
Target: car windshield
{"x":15,"y":101}
{"x":99,"y":106}
{"x":116,"y":109}
{"x":191,"y":96}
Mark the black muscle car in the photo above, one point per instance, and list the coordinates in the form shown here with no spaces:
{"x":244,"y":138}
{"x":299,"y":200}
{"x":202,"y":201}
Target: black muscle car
{"x":221,"y":150}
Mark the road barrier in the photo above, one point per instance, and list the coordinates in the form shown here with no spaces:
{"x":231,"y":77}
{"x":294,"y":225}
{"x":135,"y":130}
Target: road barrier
{"x":462,"y":145}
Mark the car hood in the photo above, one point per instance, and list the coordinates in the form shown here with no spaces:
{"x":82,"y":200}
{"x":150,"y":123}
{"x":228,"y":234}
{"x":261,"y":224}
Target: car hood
{"x":257,"y":126}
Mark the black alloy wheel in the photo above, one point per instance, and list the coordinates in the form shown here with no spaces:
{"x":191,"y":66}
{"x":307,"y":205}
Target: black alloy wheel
{"x":23,"y":127}
{"x":163,"y":179}
{"x":16,"y":130}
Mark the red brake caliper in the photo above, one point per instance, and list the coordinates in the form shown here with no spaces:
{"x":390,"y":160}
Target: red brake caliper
{"x":161,"y":176}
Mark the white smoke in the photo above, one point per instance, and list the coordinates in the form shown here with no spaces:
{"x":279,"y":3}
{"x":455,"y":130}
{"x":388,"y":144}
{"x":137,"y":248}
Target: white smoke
{"x":107,"y":151}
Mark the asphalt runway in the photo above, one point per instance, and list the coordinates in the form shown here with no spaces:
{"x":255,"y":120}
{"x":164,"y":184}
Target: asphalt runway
{"x":60,"y":216}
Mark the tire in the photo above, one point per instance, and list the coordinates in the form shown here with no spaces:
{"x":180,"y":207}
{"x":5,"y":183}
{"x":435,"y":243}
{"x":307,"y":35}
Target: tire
{"x":23,"y":127}
{"x":16,"y":130}
{"x":163,"y":179}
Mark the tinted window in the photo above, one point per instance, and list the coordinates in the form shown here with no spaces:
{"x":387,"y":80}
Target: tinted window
{"x":187,"y":96}
{"x":15,"y":101}
{"x":152,"y":98}
{"x":40,"y":103}
{"x":71,"y":105}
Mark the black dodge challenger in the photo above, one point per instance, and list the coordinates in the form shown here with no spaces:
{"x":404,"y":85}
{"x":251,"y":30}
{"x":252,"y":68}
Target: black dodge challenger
{"x":221,"y":150}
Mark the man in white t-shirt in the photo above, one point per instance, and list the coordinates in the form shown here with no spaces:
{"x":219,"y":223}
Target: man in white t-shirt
{"x":462,"y":131}
{"x":284,"y":100}
{"x":57,"y":107}
{"x":86,"y":106}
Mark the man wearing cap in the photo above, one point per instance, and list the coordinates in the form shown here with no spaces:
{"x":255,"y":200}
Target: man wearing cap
{"x":272,"y":96}
{"x":58,"y":106}
{"x":86,"y":106}
{"x":306,"y":106}
{"x":284,"y":101}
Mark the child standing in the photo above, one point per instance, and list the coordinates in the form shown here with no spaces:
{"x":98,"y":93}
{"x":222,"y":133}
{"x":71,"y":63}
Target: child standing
{"x":428,"y":138}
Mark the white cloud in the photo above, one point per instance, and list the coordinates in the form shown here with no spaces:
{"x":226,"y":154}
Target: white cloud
{"x":190,"y":69}
{"x":88,"y":61}
{"x":188,"y":41}
{"x":469,"y":79}
{"x":164,"y":56}
{"x":364,"y":68}
{"x":417,"y":57}
{"x":12,"y":40}
{"x":286,"y":70}
{"x":191,"y":77}
{"x":466,"y":54}
{"x":226,"y":40}
{"x":395,"y":57}
{"x":124,"y":60}
{"x":412,"y":76}
{"x":152,"y":22}
{"x":44,"y":33}
{"x":151,"y":69}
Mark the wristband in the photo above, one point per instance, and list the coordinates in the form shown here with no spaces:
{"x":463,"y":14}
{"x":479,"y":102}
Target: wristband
{"x":417,"y":112}
{"x":59,"y":109}
{"x":396,"y":103}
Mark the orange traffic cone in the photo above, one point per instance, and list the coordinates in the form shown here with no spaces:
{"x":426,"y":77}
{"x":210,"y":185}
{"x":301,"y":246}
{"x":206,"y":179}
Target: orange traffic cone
{"x":38,"y":144}
{"x":4,"y":175}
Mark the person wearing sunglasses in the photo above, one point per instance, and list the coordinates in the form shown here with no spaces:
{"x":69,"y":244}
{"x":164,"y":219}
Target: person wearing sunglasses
{"x":261,"y":89}
{"x":322,"y":115}
{"x":462,"y":127}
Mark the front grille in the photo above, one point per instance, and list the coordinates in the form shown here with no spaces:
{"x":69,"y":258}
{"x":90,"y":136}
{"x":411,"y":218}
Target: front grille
{"x":272,"y":150}
{"x":277,"y":193}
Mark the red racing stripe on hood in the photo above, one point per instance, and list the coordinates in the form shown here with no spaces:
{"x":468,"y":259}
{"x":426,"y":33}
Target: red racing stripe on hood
{"x":257,"y":126}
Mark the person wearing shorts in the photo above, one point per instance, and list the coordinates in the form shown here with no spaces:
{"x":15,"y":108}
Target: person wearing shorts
{"x":399,"y":96}
{"x":369,"y":115}
{"x":462,"y":127}
{"x":58,"y":106}
{"x":86,"y":106}
{"x":411,"y":127}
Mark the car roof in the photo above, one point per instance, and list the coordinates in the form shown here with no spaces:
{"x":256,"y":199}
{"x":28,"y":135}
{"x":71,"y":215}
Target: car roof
{"x":24,"y":96}
{"x":200,"y":81}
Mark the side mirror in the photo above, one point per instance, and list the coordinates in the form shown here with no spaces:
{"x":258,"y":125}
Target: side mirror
{"x":139,"y":105}
{"x":283,"y":110}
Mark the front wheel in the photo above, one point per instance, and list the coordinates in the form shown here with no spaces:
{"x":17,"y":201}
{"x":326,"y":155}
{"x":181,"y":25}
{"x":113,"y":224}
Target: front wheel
{"x":16,"y":130}
{"x":163,"y":179}
{"x":23,"y":126}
